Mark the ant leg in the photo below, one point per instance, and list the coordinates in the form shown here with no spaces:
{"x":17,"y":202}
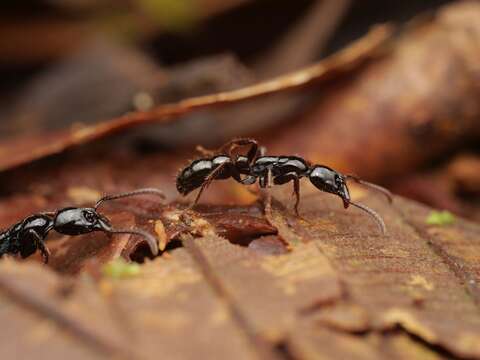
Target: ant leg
{"x":262,"y":150}
{"x":204,"y":152}
{"x":39,"y":243}
{"x":48,"y":213}
{"x":230,"y":146}
{"x":235,"y":143}
{"x":44,"y":251}
{"x":291,"y":176}
{"x":268,"y":202}
{"x":207,"y":182}
{"x":249,"y":180}
{"x":296,"y":191}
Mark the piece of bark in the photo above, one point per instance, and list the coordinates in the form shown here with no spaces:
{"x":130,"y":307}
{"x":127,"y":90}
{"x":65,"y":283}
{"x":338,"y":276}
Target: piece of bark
{"x":135,"y":318}
{"x":342,"y":290}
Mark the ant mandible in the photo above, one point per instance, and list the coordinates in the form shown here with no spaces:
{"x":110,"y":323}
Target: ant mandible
{"x":269,"y":170}
{"x":28,"y":235}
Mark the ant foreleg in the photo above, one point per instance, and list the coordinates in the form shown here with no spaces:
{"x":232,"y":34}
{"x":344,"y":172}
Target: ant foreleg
{"x":291,"y":176}
{"x":44,"y":251}
{"x":207,"y":182}
{"x":39,"y":244}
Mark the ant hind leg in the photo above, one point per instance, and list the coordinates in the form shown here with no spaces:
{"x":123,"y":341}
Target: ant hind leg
{"x":291,"y":176}
{"x":296,"y":192}
{"x":236,"y":143}
{"x":44,"y":251}
{"x":268,"y":201}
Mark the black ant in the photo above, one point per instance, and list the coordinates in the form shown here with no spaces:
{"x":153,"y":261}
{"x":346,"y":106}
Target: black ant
{"x":28,"y":235}
{"x":269,"y":170}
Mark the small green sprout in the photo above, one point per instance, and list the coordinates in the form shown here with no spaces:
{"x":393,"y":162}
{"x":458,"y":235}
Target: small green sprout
{"x":440,"y":218}
{"x":120,"y":269}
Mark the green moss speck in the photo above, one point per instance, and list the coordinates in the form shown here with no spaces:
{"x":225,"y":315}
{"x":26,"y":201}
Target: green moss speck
{"x":120,"y":269}
{"x":440,"y":218}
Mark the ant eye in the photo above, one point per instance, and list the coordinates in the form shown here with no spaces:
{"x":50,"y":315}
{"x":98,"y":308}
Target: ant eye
{"x":90,"y":216}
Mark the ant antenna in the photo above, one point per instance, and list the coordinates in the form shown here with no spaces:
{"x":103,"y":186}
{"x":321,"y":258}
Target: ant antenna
{"x":379,"y":188}
{"x":146,"y":191}
{"x":373,"y":214}
{"x":149,"y":238}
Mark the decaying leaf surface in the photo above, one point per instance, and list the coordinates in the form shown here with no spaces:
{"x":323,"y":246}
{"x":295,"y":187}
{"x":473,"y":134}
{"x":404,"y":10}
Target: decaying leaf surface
{"x":342,"y":289}
{"x":401,"y":280}
{"x":135,"y":318}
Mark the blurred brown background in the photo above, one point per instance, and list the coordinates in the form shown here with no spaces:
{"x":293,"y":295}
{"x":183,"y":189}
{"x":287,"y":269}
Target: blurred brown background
{"x":76,"y":62}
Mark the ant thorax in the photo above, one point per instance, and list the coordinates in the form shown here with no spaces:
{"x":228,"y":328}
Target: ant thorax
{"x":279,"y":165}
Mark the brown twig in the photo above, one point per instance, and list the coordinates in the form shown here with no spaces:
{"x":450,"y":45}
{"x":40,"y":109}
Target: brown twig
{"x":21,"y":151}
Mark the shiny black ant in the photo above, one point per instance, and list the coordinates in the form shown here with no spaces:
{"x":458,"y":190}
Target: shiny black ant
{"x":269,"y":170}
{"x":28,"y":235}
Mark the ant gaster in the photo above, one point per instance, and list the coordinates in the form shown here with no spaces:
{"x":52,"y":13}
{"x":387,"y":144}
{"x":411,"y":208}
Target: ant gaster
{"x":28,"y":235}
{"x":269,"y":170}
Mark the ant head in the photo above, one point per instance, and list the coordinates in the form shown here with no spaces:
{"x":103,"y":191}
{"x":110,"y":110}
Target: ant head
{"x":184,"y":183}
{"x":76,"y":221}
{"x":192,"y":177}
{"x":330,"y":181}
